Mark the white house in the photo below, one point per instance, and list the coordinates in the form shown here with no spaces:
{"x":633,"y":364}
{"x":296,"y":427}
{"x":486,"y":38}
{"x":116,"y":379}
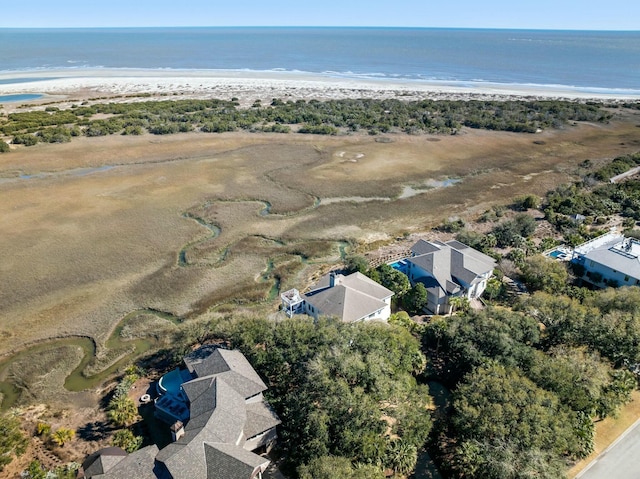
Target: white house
{"x":351,"y":298}
{"x":450,"y":269}
{"x":610,"y":260}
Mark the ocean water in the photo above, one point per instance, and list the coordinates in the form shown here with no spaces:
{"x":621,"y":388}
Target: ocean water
{"x":586,"y":60}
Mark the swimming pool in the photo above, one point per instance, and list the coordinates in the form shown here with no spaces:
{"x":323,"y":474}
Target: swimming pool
{"x":171,"y":382}
{"x":401,"y":266}
{"x":560,"y":254}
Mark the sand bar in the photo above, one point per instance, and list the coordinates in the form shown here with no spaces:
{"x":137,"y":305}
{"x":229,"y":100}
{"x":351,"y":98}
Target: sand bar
{"x":265,"y":85}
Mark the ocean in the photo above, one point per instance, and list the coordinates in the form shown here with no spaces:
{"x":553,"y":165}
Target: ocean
{"x":588,"y":61}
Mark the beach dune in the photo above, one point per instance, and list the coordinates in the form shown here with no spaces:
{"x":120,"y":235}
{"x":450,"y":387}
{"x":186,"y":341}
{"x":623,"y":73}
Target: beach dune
{"x":248,"y":86}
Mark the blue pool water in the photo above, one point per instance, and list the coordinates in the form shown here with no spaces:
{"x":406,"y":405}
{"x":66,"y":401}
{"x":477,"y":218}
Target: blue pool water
{"x":170,"y":383}
{"x":400,"y":266}
{"x":555,"y":253}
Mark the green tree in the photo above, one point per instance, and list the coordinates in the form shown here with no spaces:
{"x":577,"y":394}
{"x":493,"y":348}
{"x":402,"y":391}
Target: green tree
{"x":36,"y":470}
{"x":353,"y":263}
{"x":4,"y":147}
{"x":458,"y":303}
{"x":126,"y":440}
{"x":617,"y":393}
{"x":122,"y":411}
{"x":416,"y":299}
{"x":499,"y":404}
{"x":333,"y":382}
{"x":543,"y":274}
{"x":503,"y":460}
{"x":43,"y":429}
{"x":12,"y":440}
{"x":526,"y":202}
{"x":401,"y":457}
{"x":394,"y":280}
{"x":511,"y":233}
{"x":62,"y":436}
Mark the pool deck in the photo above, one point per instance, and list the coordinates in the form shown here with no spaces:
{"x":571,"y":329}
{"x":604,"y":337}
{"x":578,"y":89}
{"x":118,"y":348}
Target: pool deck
{"x":563,"y":253}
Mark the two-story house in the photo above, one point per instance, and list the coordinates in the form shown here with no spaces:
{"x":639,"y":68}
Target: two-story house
{"x":450,"y":269}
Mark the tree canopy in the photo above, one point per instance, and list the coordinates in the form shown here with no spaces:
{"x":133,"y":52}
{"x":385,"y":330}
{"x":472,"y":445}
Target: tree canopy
{"x":333,"y":385}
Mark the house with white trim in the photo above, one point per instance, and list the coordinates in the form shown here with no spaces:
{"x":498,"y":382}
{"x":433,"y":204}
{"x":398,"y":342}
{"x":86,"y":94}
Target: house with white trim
{"x":447,"y":270}
{"x":351,"y":298}
{"x":609,"y":260}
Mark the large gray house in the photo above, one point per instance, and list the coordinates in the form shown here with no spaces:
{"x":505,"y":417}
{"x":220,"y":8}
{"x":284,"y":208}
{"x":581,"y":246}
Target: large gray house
{"x":610,"y":260}
{"x":450,"y":269}
{"x":218,"y":420}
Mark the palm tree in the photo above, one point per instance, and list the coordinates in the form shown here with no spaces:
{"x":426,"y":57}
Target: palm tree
{"x":122,"y":411}
{"x":458,"y":302}
{"x":62,"y":435}
{"x":402,"y":456}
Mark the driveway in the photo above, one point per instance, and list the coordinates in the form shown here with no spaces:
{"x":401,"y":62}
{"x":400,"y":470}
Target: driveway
{"x":618,"y":461}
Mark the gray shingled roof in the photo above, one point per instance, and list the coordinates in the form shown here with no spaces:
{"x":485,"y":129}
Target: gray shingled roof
{"x":260,"y":418}
{"x":220,"y":421}
{"x":226,"y":461}
{"x":232,"y":364}
{"x":352,"y":297}
{"x":366,"y":285}
{"x":468,"y":263}
{"x":423,"y":247}
{"x":345,"y":303}
{"x":450,"y":263}
{"x":138,"y":465}
{"x":101,"y":461}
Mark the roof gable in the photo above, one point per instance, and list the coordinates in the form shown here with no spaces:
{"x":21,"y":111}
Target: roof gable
{"x":351,"y":297}
{"x":225,"y":461}
{"x":451,"y":263}
{"x":345,"y":303}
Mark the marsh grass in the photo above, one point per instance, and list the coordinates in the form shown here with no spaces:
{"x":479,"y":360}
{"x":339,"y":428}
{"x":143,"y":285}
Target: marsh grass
{"x":78,"y":253}
{"x":40,"y":376}
{"x":146,"y":325}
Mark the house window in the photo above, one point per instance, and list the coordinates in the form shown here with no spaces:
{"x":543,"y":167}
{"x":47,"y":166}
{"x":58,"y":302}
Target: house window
{"x":591,"y":263}
{"x":626,"y":278}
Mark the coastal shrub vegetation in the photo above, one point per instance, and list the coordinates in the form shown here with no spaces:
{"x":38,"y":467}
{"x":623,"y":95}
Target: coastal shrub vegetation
{"x":13,"y":442}
{"x":315,"y":117}
{"x":125,"y":439}
{"x":594,"y":199}
{"x":529,"y":383}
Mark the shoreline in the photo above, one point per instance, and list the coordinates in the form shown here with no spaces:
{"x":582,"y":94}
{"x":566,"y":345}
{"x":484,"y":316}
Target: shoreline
{"x":265,"y":85}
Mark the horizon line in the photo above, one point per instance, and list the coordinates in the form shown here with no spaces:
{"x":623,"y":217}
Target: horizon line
{"x":317,"y":26}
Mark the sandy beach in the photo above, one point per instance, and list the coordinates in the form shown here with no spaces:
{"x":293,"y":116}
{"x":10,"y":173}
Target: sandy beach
{"x":248,"y":86}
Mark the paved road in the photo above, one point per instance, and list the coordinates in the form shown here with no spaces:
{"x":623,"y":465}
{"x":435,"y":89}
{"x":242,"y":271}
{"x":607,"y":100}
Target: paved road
{"x":620,"y":461}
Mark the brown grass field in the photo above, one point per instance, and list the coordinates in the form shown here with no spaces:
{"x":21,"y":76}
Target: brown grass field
{"x":81,"y":248}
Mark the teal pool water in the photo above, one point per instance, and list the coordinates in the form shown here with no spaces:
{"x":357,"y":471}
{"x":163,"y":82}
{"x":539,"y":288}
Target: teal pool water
{"x":15,"y":98}
{"x":401,"y":266}
{"x":170,"y":383}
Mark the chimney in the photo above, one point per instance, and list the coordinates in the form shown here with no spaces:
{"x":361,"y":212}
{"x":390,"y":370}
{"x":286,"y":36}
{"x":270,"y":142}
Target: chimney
{"x":177,"y":430}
